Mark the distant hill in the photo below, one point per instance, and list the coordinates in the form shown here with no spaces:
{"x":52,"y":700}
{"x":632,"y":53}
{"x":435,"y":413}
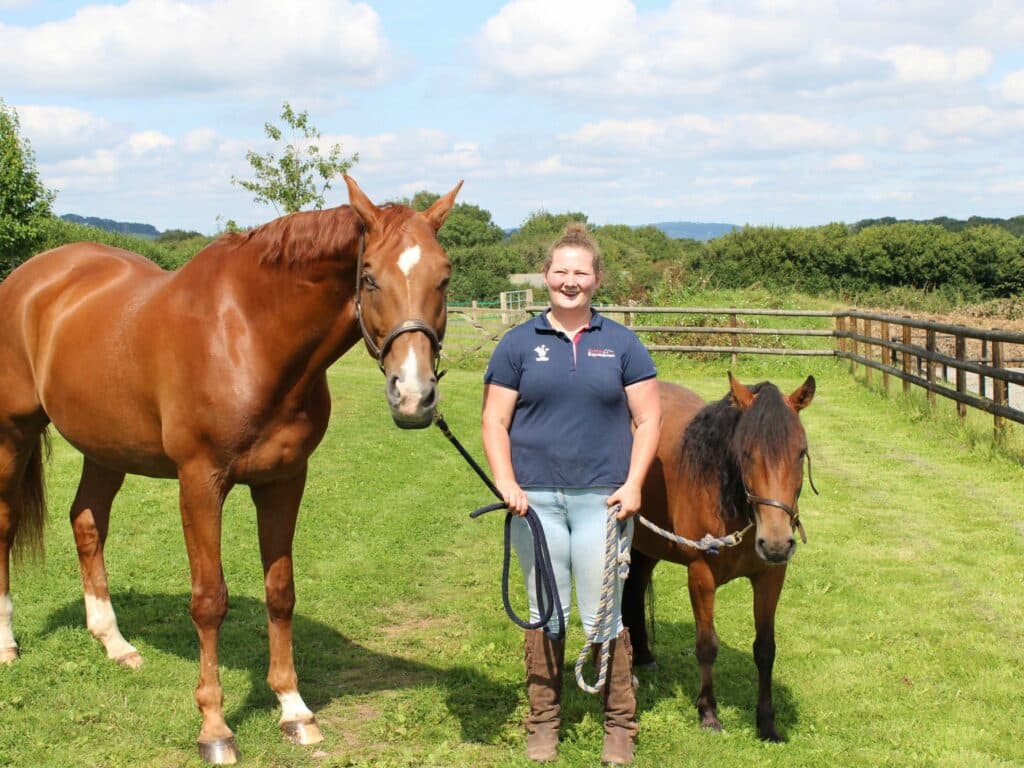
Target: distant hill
{"x":694,"y":230}
{"x":126,"y":227}
{"x":1014,"y":225}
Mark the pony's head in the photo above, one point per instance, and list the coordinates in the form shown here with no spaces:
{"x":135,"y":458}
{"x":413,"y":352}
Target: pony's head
{"x":401,"y":299}
{"x":769,"y":446}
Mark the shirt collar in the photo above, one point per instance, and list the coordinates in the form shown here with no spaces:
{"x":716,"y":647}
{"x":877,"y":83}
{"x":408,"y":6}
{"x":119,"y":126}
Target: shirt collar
{"x":541,"y":324}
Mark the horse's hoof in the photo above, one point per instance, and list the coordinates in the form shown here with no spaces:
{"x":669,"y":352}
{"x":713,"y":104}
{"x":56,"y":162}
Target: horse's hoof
{"x":7,"y":655}
{"x":132,"y":660}
{"x":710,"y":723}
{"x":220,"y":751}
{"x":302,"y":731}
{"x":650,"y":666}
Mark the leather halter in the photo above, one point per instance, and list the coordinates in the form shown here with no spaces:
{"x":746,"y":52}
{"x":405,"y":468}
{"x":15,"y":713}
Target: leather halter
{"x":792,"y":511}
{"x":411,"y":325}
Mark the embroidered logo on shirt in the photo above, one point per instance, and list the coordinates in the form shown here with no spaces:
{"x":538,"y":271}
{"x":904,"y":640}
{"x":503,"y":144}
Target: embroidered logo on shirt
{"x":600,"y":353}
{"x":542,"y":353}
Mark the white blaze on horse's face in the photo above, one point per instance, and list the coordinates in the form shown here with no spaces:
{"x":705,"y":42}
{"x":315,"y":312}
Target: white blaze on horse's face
{"x":410,"y":258}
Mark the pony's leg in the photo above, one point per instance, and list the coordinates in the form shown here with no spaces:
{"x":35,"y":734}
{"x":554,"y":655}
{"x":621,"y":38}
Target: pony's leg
{"x":767,"y":588}
{"x":202,"y":491}
{"x":702,"y":598}
{"x":90,"y":521}
{"x":277,"y":506}
{"x":641,"y":567}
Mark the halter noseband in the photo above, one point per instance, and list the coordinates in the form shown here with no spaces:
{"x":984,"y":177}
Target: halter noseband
{"x":411,"y":325}
{"x":792,"y":511}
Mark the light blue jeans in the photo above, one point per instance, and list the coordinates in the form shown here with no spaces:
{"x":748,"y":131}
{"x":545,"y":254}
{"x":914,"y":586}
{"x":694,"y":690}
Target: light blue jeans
{"x":574,"y":522}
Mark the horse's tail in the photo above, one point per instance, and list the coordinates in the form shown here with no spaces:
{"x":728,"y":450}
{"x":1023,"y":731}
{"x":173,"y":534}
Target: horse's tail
{"x":31,"y":502}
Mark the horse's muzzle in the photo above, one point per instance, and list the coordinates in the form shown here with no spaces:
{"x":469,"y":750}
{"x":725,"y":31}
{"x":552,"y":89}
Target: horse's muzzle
{"x":412,"y":407}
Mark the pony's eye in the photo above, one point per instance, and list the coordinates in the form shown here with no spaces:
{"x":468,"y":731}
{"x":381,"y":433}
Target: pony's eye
{"x":369,"y":282}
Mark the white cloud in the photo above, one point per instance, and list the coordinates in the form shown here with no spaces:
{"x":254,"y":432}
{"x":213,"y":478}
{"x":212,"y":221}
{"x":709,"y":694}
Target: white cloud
{"x":538,"y":38}
{"x":849,"y":162}
{"x":160,"y":47}
{"x":146,"y":142}
{"x":916,"y":64}
{"x":60,"y":131}
{"x":1012,"y":87}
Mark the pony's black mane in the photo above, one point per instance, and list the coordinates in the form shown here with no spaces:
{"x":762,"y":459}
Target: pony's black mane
{"x":720,"y":435}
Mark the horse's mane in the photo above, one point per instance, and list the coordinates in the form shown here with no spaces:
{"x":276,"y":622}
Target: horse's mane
{"x":720,"y":434}
{"x":308,"y":236}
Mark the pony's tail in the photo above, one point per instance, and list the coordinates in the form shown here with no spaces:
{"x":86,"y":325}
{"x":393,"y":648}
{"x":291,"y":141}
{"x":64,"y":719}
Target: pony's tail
{"x":31,"y":503}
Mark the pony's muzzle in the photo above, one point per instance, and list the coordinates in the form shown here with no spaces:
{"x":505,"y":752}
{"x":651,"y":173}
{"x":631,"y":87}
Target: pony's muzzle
{"x":775,"y":551}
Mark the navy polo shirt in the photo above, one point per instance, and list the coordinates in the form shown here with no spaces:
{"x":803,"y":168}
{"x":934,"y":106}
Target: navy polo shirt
{"x":571,"y":427}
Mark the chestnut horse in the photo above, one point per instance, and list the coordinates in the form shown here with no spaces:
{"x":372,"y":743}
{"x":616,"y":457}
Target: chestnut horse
{"x":215,"y":375}
{"x":721,"y":468}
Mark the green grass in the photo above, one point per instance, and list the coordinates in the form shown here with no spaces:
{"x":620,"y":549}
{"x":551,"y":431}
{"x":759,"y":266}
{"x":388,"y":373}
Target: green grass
{"x":900,"y":639}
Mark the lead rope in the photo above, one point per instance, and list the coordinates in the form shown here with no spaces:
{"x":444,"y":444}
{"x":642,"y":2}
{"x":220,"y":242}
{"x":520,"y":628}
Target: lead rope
{"x":616,"y":566}
{"x":548,"y":601}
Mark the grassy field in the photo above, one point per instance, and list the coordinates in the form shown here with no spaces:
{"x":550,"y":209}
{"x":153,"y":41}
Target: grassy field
{"x":900,"y":632}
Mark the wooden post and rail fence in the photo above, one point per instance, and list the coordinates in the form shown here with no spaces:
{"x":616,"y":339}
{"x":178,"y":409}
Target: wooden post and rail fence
{"x":971,"y":366}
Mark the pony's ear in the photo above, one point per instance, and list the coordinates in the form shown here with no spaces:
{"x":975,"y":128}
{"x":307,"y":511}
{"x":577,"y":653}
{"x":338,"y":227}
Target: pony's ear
{"x":438,"y":212}
{"x":741,"y":396}
{"x":361,"y":204}
{"x":802,"y":395}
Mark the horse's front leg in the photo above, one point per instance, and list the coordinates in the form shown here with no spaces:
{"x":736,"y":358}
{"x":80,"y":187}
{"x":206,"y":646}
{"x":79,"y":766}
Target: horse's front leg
{"x":767,"y":588}
{"x":702,"y":598}
{"x":277,"y":506}
{"x":202,"y":493}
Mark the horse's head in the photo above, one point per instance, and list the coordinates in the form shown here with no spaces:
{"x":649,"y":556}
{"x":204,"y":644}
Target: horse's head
{"x":401,"y":300}
{"x":770,"y":445}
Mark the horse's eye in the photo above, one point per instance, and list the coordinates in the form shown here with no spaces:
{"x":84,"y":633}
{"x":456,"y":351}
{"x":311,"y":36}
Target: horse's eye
{"x":444,"y":284}
{"x":369,"y":282}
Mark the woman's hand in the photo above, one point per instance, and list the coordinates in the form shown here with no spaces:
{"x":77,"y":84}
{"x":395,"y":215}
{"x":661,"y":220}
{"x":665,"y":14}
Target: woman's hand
{"x":628,"y":498}
{"x":515,"y":497}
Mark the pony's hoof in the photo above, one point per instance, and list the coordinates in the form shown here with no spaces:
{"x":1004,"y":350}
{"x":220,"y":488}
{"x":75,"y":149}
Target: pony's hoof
{"x":710,"y":723}
{"x":219,"y":751}
{"x":302,"y":731}
{"x":132,"y":660}
{"x":7,"y":655}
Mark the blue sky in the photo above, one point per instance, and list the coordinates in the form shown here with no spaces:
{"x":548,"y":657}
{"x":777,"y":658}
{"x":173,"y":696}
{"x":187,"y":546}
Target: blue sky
{"x":762,"y":112}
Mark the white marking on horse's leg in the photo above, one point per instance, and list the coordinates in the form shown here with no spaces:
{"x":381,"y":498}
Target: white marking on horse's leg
{"x":293,"y":707}
{"x":8,"y":645}
{"x":102,"y":623}
{"x":410,"y":258}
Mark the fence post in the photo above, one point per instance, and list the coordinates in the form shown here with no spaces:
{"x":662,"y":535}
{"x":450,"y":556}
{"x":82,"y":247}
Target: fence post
{"x":475,"y":311}
{"x":840,"y":328}
{"x":961,"y":376}
{"x":529,"y":297}
{"x":867,"y":350}
{"x":907,"y":340}
{"x":930,"y":346}
{"x":998,"y":389}
{"x":853,"y":346}
{"x":503,"y":300}
{"x":886,"y":353}
{"x":984,"y":361}
{"x":735,"y":339}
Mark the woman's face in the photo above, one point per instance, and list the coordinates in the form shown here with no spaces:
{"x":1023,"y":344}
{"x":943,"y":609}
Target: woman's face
{"x":571,"y":279}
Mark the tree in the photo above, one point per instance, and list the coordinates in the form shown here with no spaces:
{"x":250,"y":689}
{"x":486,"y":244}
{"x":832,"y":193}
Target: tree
{"x":24,"y":200}
{"x":290,"y":182}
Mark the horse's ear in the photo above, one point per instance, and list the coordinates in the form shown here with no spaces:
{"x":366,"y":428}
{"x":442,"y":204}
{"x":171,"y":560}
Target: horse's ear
{"x":741,"y":396}
{"x":361,"y":204}
{"x":438,"y":212}
{"x":802,"y":395}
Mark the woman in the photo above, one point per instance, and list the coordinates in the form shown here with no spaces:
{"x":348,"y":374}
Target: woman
{"x":570,"y":423}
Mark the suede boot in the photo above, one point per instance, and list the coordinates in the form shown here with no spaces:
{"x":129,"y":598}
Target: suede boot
{"x":620,"y":725}
{"x":545,"y":659}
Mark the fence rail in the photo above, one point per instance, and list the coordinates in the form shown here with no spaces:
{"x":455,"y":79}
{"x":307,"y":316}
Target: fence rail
{"x":972,"y":361}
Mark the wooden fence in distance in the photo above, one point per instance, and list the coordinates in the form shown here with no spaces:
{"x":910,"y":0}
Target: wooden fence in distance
{"x":914,"y":351}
